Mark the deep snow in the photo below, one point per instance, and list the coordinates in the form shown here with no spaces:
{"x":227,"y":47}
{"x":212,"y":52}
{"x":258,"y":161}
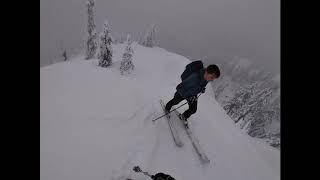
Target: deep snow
{"x":96,"y":124}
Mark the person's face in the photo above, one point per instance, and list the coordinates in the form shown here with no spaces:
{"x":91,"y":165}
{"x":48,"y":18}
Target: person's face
{"x":209,"y":77}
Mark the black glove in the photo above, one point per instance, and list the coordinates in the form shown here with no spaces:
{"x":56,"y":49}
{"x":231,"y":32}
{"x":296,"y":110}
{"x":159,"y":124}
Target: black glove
{"x":203,"y":90}
{"x":192,"y":99}
{"x":160,"y":176}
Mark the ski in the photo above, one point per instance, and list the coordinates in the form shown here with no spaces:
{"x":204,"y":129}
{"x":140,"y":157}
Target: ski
{"x":173,"y":129}
{"x":195,"y":142}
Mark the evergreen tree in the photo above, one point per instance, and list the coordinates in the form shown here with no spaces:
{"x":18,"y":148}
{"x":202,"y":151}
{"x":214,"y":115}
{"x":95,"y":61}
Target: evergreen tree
{"x":150,"y":37}
{"x":126,"y":64}
{"x":91,"y":44}
{"x":64,"y":54}
{"x":106,"y":52}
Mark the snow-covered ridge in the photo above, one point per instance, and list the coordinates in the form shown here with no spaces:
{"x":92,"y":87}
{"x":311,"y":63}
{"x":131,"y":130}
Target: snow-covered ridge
{"x":96,"y":124}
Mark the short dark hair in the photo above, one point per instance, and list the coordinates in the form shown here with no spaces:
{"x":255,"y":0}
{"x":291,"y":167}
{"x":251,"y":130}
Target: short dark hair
{"x":213,"y":69}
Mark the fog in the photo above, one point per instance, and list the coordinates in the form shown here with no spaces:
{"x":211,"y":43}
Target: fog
{"x":193,"y":28}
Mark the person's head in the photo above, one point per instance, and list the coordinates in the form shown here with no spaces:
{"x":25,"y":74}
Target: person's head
{"x":212,"y":72}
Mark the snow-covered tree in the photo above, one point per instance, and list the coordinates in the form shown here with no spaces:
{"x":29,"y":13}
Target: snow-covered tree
{"x":105,"y":54}
{"x":219,"y":90}
{"x":233,"y":104}
{"x":250,"y":108}
{"x":140,"y":38}
{"x":150,"y":37}
{"x":255,"y":110}
{"x":126,"y":64}
{"x":261,"y":113}
{"x":64,"y":54}
{"x":91,"y":44}
{"x":274,"y":139}
{"x":241,"y":97}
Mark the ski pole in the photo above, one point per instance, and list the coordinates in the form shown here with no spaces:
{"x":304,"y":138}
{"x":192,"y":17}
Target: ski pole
{"x":137,"y":169}
{"x":171,"y":111}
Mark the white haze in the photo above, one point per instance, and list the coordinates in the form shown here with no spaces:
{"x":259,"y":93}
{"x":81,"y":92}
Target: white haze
{"x":244,"y":28}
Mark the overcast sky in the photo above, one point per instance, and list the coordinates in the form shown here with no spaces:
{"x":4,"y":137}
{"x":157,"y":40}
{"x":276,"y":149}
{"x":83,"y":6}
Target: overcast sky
{"x":193,"y":28}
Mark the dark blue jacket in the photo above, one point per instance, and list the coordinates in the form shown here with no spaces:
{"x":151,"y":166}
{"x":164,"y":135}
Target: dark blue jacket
{"x":192,"y":85}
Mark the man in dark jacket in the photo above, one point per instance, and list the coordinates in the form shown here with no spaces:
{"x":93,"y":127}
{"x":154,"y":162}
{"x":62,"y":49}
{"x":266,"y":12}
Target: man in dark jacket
{"x":190,"y":87}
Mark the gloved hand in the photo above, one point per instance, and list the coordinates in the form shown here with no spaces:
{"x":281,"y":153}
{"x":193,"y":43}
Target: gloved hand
{"x":162,"y":176}
{"x":192,"y":99}
{"x":158,"y":176}
{"x":203,"y":90}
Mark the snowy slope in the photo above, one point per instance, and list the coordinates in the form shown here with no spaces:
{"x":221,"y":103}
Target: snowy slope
{"x":96,"y":124}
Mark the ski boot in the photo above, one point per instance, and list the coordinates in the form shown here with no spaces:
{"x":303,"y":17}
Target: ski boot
{"x":184,"y":121}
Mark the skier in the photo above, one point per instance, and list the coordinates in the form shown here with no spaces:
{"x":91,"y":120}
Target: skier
{"x":194,"y":80}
